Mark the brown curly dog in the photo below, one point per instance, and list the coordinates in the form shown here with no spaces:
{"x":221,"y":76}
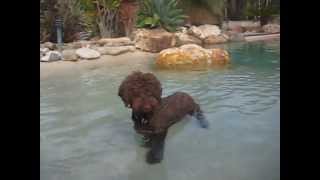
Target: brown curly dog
{"x":152,"y":115}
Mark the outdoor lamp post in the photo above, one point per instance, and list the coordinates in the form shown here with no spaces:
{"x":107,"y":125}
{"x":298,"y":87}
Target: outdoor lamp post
{"x":59,"y":25}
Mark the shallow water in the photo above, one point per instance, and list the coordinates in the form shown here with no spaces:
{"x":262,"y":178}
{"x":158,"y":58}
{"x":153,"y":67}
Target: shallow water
{"x":86,"y":132}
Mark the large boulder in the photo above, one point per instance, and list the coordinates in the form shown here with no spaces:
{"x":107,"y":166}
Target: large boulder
{"x":184,"y":38}
{"x":51,"y":56}
{"x":114,"y":50}
{"x":191,"y":56}
{"x":153,"y":40}
{"x":122,"y":41}
{"x":69,"y":55}
{"x":87,"y":53}
{"x":216,"y":39}
{"x":271,"y":28}
{"x":204,"y":31}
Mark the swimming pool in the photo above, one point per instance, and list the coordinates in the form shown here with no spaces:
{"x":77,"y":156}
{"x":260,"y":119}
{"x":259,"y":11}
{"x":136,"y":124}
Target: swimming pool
{"x":86,"y":132}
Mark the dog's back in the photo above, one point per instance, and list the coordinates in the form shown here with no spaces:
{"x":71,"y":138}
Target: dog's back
{"x":173,"y":109}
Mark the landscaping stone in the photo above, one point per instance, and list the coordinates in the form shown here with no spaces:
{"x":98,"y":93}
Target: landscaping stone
{"x":51,"y":56}
{"x":69,"y":55}
{"x":191,"y":55}
{"x":215,"y":39}
{"x":106,"y":50}
{"x":271,"y":28}
{"x":184,"y":38}
{"x":43,"y":51}
{"x":87,"y":53}
{"x":122,"y":41}
{"x":153,"y":40}
{"x":49,"y":45}
{"x":204,"y":31}
{"x":80,"y":44}
{"x":235,"y":37}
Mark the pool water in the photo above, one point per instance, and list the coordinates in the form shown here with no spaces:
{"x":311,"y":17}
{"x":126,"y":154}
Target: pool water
{"x":86,"y":132}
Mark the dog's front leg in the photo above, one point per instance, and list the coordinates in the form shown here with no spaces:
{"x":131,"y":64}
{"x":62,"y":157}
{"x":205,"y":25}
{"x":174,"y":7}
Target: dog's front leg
{"x":155,"y":155}
{"x":136,"y":118}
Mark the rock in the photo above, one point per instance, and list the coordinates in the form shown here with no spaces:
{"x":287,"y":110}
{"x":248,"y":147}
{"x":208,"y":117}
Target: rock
{"x":80,"y":44}
{"x":183,"y":38}
{"x":237,"y":29}
{"x":69,"y":55}
{"x":204,"y":31}
{"x":236,"y":37}
{"x":49,"y":45}
{"x":226,"y":36}
{"x":190,"y":56}
{"x":153,"y":40}
{"x":182,"y":29}
{"x":114,"y":50}
{"x":68,"y":46}
{"x":43,"y":51}
{"x":241,"y":26}
{"x":271,"y":28}
{"x":215,"y":39}
{"x":87,"y":53}
{"x":253,"y":29}
{"x":51,"y":56}
{"x":123,"y":41}
{"x":220,"y":57}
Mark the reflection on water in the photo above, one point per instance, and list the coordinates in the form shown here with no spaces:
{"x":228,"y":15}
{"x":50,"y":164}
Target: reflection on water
{"x":86,"y":133}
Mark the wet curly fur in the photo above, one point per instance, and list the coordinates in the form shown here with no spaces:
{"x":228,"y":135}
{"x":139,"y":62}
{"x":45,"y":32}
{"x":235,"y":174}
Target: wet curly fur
{"x":153,"y":115}
{"x":140,"y":89}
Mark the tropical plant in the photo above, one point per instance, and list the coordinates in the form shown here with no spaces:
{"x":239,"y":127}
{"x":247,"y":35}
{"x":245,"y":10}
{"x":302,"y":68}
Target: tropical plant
{"x":47,"y":17}
{"x":263,"y":9}
{"x":74,"y":20}
{"x":128,"y":15}
{"x":106,"y":16}
{"x":69,"y":11}
{"x":163,"y":13}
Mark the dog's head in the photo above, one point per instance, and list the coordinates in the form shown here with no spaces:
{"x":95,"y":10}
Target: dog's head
{"x":141,"y":90}
{"x":144,"y":104}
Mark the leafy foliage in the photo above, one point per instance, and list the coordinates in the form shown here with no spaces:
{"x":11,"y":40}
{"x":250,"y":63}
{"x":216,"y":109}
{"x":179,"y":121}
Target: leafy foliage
{"x":107,"y":16}
{"x":164,"y":13}
{"x":74,"y":19}
{"x":263,"y":10}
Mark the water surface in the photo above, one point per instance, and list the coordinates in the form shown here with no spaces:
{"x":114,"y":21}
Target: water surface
{"x":86,"y":133}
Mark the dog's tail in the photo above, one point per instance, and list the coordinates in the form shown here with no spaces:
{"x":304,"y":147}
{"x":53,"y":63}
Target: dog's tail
{"x":198,"y":114}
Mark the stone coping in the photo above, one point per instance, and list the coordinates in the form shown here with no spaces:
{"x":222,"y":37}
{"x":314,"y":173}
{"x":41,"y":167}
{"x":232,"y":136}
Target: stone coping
{"x":262,"y":37}
{"x":259,"y":34}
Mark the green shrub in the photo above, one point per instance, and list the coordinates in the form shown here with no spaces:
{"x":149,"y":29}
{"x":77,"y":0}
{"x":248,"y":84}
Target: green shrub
{"x":265,"y":11}
{"x":74,"y":20}
{"x":160,"y":13}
